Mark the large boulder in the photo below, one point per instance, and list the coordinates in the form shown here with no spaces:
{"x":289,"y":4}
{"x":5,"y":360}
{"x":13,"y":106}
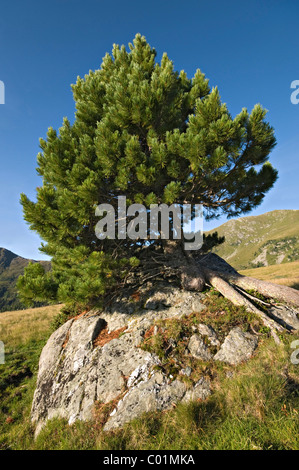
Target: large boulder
{"x":96,"y":359}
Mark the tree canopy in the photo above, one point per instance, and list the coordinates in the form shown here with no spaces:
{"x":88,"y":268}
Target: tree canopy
{"x":148,"y":132}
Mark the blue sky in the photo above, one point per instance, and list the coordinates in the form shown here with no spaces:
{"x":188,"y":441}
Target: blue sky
{"x":247,"y":49}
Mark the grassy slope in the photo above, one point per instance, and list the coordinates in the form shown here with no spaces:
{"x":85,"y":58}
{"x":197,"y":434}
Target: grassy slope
{"x":22,"y":326}
{"x":286,"y":274}
{"x":255,"y":409}
{"x":260,"y":239}
{"x":24,"y":333}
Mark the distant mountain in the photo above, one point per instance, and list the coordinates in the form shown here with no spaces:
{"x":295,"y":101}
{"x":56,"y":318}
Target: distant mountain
{"x":263,"y":240}
{"x":11,"y":267}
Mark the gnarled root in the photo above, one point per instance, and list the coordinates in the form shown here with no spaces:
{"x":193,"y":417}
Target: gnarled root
{"x":213,"y":270}
{"x":232,"y":294}
{"x":198,"y":271}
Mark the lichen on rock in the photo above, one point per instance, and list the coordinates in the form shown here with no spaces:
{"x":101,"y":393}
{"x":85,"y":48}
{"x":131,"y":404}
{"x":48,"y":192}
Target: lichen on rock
{"x":97,"y":358}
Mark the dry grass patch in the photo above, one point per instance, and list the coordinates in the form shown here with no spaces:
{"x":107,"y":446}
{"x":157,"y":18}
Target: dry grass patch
{"x":20,"y":326}
{"x":105,"y":337}
{"x":286,"y":274}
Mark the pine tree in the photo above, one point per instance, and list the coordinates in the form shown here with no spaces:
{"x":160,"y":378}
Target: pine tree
{"x":148,"y":132}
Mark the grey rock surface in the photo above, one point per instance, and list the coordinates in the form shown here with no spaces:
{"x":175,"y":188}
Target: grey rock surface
{"x":74,"y":374}
{"x":198,"y":349}
{"x":154,"y":392}
{"x":209,"y":332}
{"x":96,"y":359}
{"x":286,"y":316}
{"x":238,"y":346}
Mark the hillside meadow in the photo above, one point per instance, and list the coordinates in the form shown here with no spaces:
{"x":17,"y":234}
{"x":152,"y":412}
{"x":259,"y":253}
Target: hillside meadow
{"x":268,"y":239}
{"x":22,"y":326}
{"x":285,"y":274}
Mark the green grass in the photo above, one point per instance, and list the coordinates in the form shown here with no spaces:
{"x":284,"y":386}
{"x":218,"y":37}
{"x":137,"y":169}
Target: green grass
{"x":255,"y":408}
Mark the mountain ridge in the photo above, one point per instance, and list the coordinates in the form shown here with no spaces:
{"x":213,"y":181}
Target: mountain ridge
{"x":263,"y":240}
{"x":11,"y":267}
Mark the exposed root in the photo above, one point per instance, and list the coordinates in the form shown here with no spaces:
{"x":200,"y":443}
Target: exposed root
{"x":198,"y":272}
{"x":252,"y":297}
{"x":240,"y":300}
{"x":227,"y":280}
{"x":270,"y":290}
